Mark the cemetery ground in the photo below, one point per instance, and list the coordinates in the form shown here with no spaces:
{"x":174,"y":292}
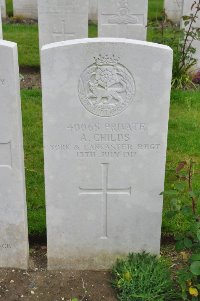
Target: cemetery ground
{"x":183,"y":144}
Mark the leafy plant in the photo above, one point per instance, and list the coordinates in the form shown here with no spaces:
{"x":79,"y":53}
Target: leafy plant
{"x":181,"y":41}
{"x":184,"y":200}
{"x":184,"y":59}
{"x":143,"y":277}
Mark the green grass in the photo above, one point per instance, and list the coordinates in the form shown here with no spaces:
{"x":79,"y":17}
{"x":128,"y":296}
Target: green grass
{"x":143,"y":277}
{"x":33,"y":146}
{"x":9,"y":8}
{"x":26,"y":36}
{"x":155,"y":9}
{"x":183,"y":144}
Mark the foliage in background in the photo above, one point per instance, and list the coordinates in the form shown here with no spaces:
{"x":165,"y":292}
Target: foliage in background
{"x":143,"y":277}
{"x":9,"y":8}
{"x":184,"y":60}
{"x":181,"y":41}
{"x":184,"y":199}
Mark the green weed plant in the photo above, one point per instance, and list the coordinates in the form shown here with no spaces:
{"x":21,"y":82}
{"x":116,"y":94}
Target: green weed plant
{"x":143,"y":277}
{"x":184,"y":199}
{"x":181,"y":41}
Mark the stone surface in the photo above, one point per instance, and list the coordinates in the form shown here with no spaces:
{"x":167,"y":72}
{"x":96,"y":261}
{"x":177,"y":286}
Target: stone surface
{"x":1,"y":32}
{"x":105,"y":136}
{"x":3,"y":8}
{"x":188,"y":9}
{"x":123,"y":18}
{"x":173,"y":10}
{"x":25,"y":8}
{"x":13,"y":220}
{"x":93,"y":10}
{"x":61,"y":20}
{"x":196,"y":45}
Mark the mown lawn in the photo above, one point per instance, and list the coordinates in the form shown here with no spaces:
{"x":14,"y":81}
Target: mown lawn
{"x":9,"y":7}
{"x":26,"y":36}
{"x":184,"y":125}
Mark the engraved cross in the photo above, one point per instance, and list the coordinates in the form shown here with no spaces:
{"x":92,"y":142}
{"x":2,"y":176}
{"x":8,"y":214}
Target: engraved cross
{"x":105,"y":192}
{"x":5,"y":155}
{"x":62,"y":33}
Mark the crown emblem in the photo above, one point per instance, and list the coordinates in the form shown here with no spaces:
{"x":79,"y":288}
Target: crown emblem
{"x":106,"y":60}
{"x":123,"y":3}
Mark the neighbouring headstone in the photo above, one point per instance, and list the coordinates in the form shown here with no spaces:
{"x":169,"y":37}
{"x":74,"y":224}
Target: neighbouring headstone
{"x":3,"y":8}
{"x":196,"y":45}
{"x":25,"y":8}
{"x":1,"y":31}
{"x":123,"y":19}
{"x":173,"y":10}
{"x":13,"y":215}
{"x":189,"y":9}
{"x":105,"y":136}
{"x":93,"y":10}
{"x":61,"y":20}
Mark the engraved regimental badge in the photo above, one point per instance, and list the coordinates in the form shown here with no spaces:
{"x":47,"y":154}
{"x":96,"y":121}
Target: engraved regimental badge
{"x":106,"y":88}
{"x":123,"y":15}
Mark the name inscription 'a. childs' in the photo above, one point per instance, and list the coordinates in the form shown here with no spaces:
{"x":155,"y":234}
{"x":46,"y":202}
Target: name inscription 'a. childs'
{"x":5,"y":246}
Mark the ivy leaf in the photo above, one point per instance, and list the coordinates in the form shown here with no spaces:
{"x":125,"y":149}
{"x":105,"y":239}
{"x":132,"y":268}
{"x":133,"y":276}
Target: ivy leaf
{"x":187,"y":243}
{"x":179,"y":237}
{"x":195,"y":268}
{"x":195,"y":257}
{"x":180,"y":245}
{"x":198,"y":286}
{"x":186,"y":17}
{"x":187,"y":210}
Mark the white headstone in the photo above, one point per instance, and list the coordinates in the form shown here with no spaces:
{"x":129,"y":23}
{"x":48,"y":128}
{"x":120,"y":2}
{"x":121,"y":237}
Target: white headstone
{"x":123,"y":18}
{"x":1,"y":31}
{"x":13,"y":215}
{"x":25,"y":8}
{"x":61,"y":20}
{"x":105,"y":136}
{"x":3,"y":8}
{"x":196,"y":45}
{"x":93,"y":10}
{"x":173,"y":10}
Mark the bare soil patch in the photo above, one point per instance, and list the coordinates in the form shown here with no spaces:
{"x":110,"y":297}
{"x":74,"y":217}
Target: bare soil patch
{"x":30,"y":78}
{"x":39,"y":284}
